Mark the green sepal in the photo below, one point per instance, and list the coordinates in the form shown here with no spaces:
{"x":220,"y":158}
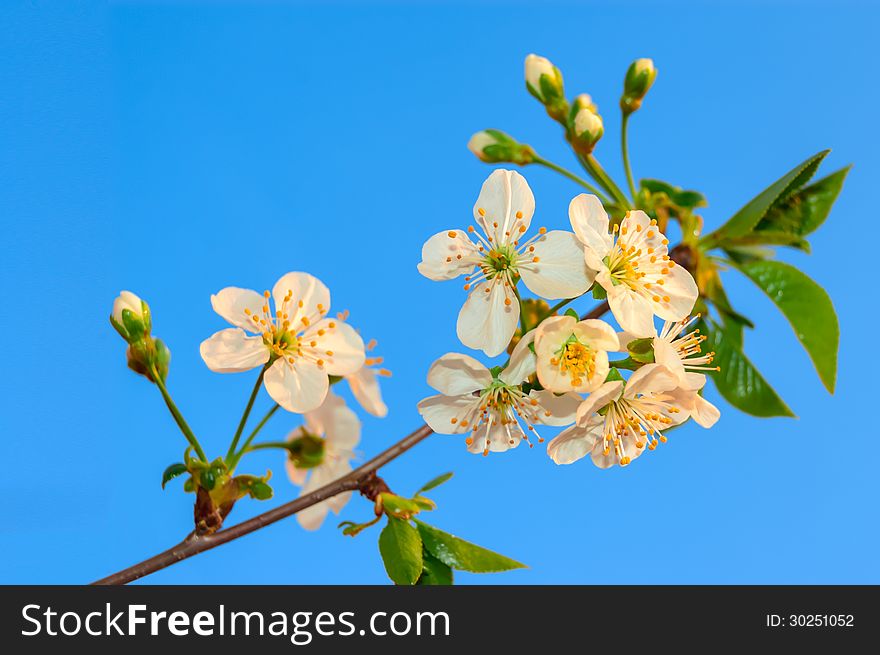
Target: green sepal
{"x":642,"y":350}
{"x":172,"y":472}
{"x":398,"y":507}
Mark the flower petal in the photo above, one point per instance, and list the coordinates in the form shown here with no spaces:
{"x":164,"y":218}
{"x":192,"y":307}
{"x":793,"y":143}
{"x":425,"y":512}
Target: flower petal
{"x":665,"y":354}
{"x":486,"y":321}
{"x":439,"y":412}
{"x":650,"y":378}
{"x":309,"y":299}
{"x":680,"y":288}
{"x":455,"y":374}
{"x":556,"y":268}
{"x":597,"y":400}
{"x":597,"y":334}
{"x":506,"y":200}
{"x":634,"y":312}
{"x":575,"y":442}
{"x":232,"y":351}
{"x":590,"y":223}
{"x":312,"y":517}
{"x":299,"y":387}
{"x":334,"y":420}
{"x":563,"y":409}
{"x":232,"y":302}
{"x":364,"y":384}
{"x":445,"y":257}
{"x":337,"y":344}
{"x":522,"y":361}
{"x":498,"y":437}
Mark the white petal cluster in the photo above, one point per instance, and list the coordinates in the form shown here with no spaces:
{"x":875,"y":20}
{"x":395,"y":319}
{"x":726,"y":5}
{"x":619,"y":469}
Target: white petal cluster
{"x":560,"y":374}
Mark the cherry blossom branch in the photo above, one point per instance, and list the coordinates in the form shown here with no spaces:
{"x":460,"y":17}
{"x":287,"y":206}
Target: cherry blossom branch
{"x":360,"y":478}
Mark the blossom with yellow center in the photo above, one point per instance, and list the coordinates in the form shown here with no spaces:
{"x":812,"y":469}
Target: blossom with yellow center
{"x":339,"y":431}
{"x":550,"y":264}
{"x":619,"y":421}
{"x":301,"y":345}
{"x":633,"y":266}
{"x":572,"y":355}
{"x":493,"y":410}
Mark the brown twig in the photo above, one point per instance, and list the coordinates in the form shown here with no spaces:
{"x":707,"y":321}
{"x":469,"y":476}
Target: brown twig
{"x":194,"y":545}
{"x":597,"y":311}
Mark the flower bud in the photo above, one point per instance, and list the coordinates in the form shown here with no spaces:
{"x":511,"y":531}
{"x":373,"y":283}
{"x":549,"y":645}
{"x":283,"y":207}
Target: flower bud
{"x":639,"y":77}
{"x":130,"y":317}
{"x":544,"y":81}
{"x":494,"y":146}
{"x":585,"y":126}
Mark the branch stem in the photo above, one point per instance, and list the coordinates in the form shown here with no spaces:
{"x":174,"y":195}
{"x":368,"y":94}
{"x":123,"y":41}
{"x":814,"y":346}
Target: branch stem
{"x":571,"y":176}
{"x":230,"y":454}
{"x":624,"y":148}
{"x":178,"y":417}
{"x":194,"y":545}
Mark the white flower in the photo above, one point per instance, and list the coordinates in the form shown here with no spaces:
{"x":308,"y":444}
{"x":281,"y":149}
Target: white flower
{"x":680,"y":352}
{"x":131,"y":302}
{"x":618,"y":421}
{"x":551,"y":264}
{"x":303,"y":346}
{"x":340,"y":431}
{"x":634,"y":269}
{"x":493,"y":409}
{"x":364,"y":384}
{"x":573,"y":355}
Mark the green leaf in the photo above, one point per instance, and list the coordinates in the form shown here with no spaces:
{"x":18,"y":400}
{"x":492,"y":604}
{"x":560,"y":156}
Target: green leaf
{"x":738,"y":381}
{"x":599,"y":292}
{"x":805,"y":210}
{"x":463,"y":555}
{"x":434,"y":571}
{"x":748,"y":217}
{"x":680,"y":197}
{"x":172,"y":472}
{"x":436,"y":482}
{"x":401,"y":549}
{"x":808,"y":309}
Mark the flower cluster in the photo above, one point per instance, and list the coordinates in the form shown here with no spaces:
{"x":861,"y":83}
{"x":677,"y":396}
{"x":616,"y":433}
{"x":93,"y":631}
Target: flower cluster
{"x":559,"y":372}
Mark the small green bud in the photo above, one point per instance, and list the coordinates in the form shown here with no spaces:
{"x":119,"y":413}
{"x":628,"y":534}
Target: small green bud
{"x":161,"y":358}
{"x":639,"y":77}
{"x":306,"y":451}
{"x":544,"y":81}
{"x":494,"y":146}
{"x":585,"y":126}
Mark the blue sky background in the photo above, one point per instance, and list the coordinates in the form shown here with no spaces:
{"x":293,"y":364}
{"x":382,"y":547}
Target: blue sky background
{"x":173,"y":149}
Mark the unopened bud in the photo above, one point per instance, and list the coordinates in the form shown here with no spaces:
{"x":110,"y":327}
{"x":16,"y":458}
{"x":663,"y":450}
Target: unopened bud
{"x":130,"y":317}
{"x":544,"y":81}
{"x":494,"y":146}
{"x":585,"y":126}
{"x":639,"y":77}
